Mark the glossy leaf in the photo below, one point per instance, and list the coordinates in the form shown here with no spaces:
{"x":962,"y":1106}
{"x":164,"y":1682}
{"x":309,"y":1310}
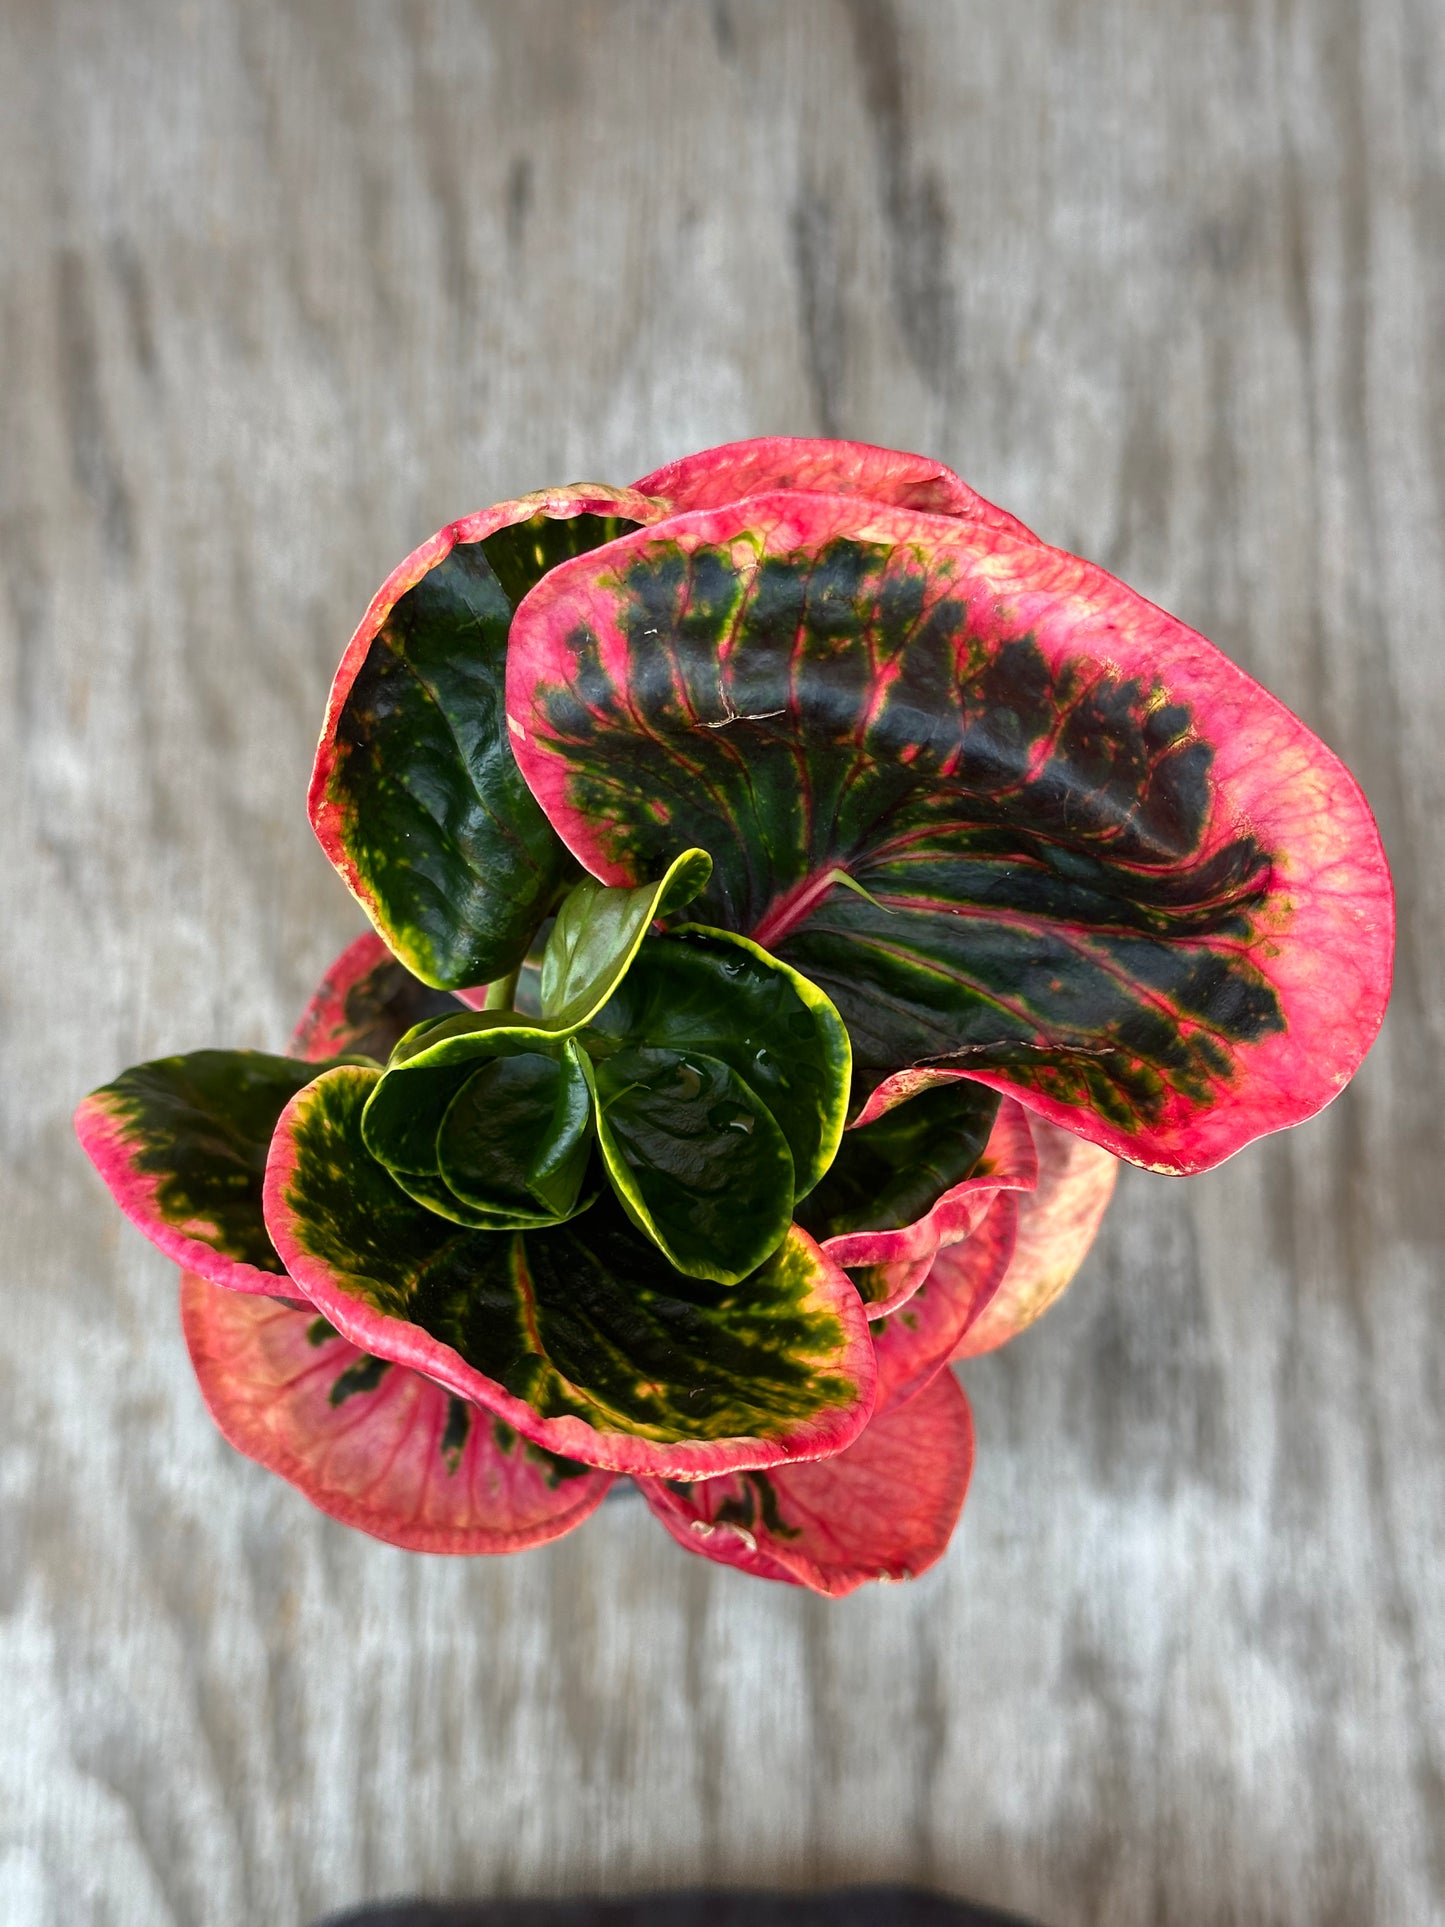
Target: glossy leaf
{"x":182,"y":1144}
{"x":1010,"y":817}
{"x":580,"y":1336}
{"x":518,"y":1134}
{"x":415,"y":795}
{"x":696,"y":1159}
{"x":889,"y":1264}
{"x":884,"y":1509}
{"x":718,"y":476}
{"x":721,"y":1075}
{"x":364,"y":1005}
{"x":374,"y":1445}
{"x":715,"y":992}
{"x":1058,"y":1222}
{"x":496,"y":1138}
{"x":893,"y":1171}
{"x":598,"y":933}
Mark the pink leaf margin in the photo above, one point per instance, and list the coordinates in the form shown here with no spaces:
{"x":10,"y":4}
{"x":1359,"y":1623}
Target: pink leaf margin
{"x":558,"y":504}
{"x":739,"y":470}
{"x":105,"y":1141}
{"x":916,"y":1342}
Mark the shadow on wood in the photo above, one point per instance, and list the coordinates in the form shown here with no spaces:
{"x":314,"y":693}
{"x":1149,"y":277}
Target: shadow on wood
{"x":850,"y":1907}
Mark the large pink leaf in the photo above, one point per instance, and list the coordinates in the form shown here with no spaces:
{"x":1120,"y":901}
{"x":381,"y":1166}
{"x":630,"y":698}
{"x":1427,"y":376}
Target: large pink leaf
{"x":1009,"y":816}
{"x":884,"y":1509}
{"x":372,"y":1444}
{"x":895,"y":1263}
{"x":581,"y":1336}
{"x":1057,"y":1224}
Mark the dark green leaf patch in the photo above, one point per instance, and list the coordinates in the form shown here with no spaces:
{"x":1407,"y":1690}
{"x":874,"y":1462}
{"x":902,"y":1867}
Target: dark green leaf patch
{"x":894,"y":1170}
{"x":362,"y":1376}
{"x":417,"y":795}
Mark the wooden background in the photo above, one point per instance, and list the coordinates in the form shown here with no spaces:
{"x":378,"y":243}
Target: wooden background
{"x":285,"y":286}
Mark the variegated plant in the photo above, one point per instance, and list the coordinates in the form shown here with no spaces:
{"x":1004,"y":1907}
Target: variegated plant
{"x":796,"y":885}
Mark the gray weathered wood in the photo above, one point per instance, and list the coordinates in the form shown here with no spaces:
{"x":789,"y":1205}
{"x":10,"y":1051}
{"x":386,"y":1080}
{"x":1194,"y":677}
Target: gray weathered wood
{"x":283,"y":287}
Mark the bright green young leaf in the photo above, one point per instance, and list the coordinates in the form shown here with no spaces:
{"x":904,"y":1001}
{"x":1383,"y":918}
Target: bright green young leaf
{"x":597,"y":934}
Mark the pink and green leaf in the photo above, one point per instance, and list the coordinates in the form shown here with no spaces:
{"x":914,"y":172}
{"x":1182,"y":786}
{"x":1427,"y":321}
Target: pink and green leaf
{"x":1010,"y":817}
{"x":182,"y":1145}
{"x":372,"y":1444}
{"x":580,"y":1336}
{"x":364,"y":1006}
{"x":888,"y":1264}
{"x":732,"y":473}
{"x":1058,"y":1222}
{"x":415,"y":795}
{"x":884,"y":1509}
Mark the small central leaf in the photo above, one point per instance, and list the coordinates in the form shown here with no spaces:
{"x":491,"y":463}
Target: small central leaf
{"x":597,"y":934}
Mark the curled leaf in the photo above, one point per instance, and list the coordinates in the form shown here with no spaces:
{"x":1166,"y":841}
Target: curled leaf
{"x":933,"y":1325}
{"x":1058,"y":1222}
{"x":415,"y":795}
{"x":884,"y":1509}
{"x":718,"y":476}
{"x":889,"y":1264}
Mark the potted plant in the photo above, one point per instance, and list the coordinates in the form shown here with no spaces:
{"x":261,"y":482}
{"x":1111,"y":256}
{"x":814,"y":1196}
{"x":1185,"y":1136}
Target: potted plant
{"x":795,"y":886}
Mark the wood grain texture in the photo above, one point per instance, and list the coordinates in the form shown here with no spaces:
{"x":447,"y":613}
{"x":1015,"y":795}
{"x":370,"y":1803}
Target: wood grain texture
{"x":285,"y":286}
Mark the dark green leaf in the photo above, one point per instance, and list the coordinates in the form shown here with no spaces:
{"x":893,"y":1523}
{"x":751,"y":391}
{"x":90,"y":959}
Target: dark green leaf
{"x":893,"y":1171}
{"x":518,"y":1134}
{"x":711,"y":991}
{"x":416,"y":795}
{"x":696,"y":1158}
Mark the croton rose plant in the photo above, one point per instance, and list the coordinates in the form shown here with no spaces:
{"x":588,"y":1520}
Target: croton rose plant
{"x":795,"y":886}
